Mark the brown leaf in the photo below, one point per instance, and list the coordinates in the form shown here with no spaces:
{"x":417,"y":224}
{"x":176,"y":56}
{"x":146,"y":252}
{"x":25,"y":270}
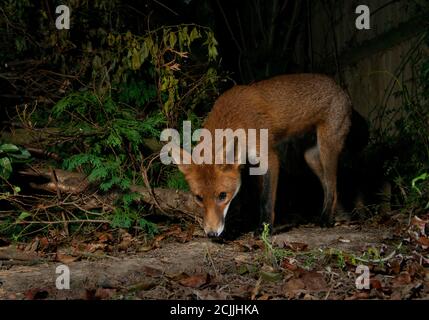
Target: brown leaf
{"x":415,"y":269}
{"x":174,"y":230}
{"x":189,"y":233}
{"x":92,"y":247}
{"x":143,"y":285}
{"x":249,"y":244}
{"x":419,"y":224}
{"x":270,"y":276}
{"x":125,"y":244}
{"x":152,"y":272}
{"x":395,"y":267}
{"x":402,"y":279}
{"x":33,"y":245}
{"x":296,"y":246}
{"x":195,"y":281}
{"x":294,"y":285}
{"x":44,"y":243}
{"x":396,"y":295}
{"x":308,"y":296}
{"x":375,"y":284}
{"x":64,"y":258}
{"x":104,"y":293}
{"x":146,"y":248}
{"x":424,"y":242}
{"x":359,"y":295}
{"x":104,"y":237}
{"x":314,"y":281}
{"x":287,"y":265}
{"x":36,"y":294}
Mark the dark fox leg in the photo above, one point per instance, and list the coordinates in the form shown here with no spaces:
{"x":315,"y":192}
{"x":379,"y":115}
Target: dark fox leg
{"x":268,"y":190}
{"x":330,"y":140}
{"x":312,"y":157}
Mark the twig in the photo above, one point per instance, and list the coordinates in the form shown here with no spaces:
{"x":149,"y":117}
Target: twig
{"x":64,"y":221}
{"x":390,"y":256}
{"x":165,"y":7}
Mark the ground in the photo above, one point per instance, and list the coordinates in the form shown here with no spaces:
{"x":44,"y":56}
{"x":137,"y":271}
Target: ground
{"x":305,"y":262}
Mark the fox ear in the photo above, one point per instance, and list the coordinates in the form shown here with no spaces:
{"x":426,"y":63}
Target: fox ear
{"x":231,"y":155}
{"x":181,"y":158}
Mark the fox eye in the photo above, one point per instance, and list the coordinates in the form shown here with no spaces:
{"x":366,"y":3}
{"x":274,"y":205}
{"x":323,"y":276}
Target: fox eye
{"x":222,"y":196}
{"x":199,"y":198}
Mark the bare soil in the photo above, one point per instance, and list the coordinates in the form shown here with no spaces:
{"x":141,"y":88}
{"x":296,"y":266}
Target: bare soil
{"x":306,"y":262}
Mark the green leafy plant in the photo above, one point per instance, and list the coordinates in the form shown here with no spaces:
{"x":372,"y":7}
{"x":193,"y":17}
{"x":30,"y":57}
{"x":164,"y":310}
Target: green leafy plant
{"x":401,"y":133}
{"x":110,"y":135}
{"x":125,"y":217}
{"x":9,"y":155}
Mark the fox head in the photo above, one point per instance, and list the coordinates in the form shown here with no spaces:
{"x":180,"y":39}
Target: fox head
{"x":213,"y":186}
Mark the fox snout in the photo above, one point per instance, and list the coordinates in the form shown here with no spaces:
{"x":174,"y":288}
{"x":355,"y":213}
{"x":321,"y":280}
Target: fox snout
{"x":214,"y":229}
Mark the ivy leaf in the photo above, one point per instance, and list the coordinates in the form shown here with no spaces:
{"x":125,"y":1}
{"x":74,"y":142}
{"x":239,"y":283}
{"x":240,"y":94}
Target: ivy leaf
{"x":5,"y":167}
{"x":194,"y":34}
{"x":8,"y":147}
{"x":135,"y":60}
{"x":173,"y":39}
{"x":23,"y":215}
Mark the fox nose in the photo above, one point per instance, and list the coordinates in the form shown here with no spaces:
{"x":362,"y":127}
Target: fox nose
{"x":212,"y":234}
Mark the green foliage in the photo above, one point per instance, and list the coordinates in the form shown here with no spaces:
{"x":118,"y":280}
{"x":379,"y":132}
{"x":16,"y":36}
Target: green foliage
{"x":403,"y":133}
{"x":126,"y":218}
{"x":137,"y":93}
{"x":120,"y":86}
{"x":110,"y":134}
{"x":176,"y":180}
{"x":11,"y":154}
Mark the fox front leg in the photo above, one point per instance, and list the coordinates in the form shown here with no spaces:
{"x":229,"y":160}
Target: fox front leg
{"x":268,"y":190}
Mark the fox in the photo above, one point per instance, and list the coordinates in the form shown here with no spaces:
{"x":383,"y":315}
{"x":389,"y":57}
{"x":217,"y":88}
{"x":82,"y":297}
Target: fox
{"x":286,"y":105}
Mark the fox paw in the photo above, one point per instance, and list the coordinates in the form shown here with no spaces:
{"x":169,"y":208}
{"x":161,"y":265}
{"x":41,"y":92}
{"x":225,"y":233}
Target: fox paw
{"x":327,"y":221}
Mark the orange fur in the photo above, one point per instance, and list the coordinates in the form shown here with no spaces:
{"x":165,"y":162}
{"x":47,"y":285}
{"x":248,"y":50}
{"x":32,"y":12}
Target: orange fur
{"x":285,"y":105}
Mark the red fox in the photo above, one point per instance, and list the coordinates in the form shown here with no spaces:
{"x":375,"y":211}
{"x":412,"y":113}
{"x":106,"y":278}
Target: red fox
{"x":286,"y":105}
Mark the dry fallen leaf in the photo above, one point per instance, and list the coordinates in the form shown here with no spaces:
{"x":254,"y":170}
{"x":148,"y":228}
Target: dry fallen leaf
{"x":264,"y":297}
{"x":145,"y":285}
{"x":402,"y":279}
{"x":359,"y":295}
{"x":287,"y":265}
{"x":104,"y":293}
{"x":195,"y":281}
{"x":124,"y":245}
{"x":395,"y":267}
{"x":295,"y":246}
{"x":294,"y":285}
{"x":270,"y":276}
{"x":92,"y":247}
{"x":64,"y":258}
{"x":33,"y":245}
{"x":152,"y":272}
{"x":104,"y":237}
{"x":423,"y":241}
{"x":314,"y":281}
{"x":375,"y":284}
{"x":36,"y":294}
{"x":419,"y":224}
